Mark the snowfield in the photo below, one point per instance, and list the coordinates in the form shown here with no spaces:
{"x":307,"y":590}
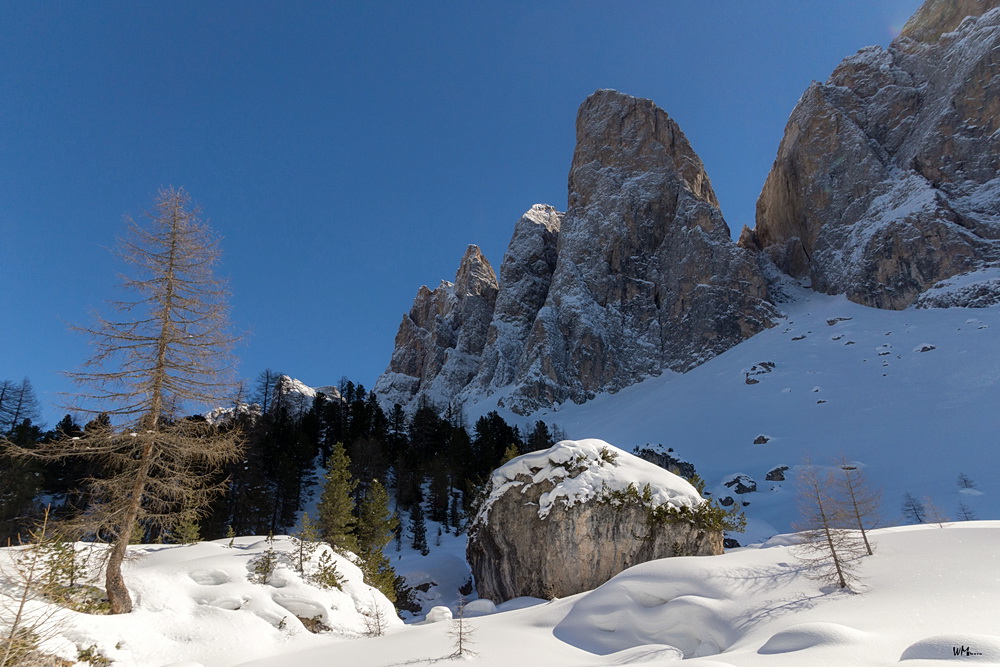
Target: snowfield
{"x":927,"y":593}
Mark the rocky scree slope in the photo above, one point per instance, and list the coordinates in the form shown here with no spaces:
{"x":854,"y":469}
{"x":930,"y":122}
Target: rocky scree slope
{"x":887,"y":180}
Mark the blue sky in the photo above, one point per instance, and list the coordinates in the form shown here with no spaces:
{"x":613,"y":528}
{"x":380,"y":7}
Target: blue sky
{"x":349,"y":152}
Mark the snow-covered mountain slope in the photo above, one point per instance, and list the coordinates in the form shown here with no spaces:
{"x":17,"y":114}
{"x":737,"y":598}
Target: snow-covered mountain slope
{"x":909,"y":395}
{"x":927,"y":594}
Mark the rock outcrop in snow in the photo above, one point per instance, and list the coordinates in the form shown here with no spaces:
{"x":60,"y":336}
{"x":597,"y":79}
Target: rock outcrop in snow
{"x":567,"y":519}
{"x":887,"y":180}
{"x":639,"y":276}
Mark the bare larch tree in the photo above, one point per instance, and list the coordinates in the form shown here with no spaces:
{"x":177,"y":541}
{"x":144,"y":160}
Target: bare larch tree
{"x":861,"y":500}
{"x":830,"y":550}
{"x":169,"y":350}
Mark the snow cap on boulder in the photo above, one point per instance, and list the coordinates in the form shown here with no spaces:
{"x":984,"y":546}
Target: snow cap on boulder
{"x":580,"y":470}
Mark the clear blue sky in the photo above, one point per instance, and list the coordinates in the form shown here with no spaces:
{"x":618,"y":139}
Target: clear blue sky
{"x":348,"y":152}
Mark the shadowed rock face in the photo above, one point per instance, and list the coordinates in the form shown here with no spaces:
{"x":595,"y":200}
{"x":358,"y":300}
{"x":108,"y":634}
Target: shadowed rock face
{"x":573,"y":550}
{"x":440,"y":341}
{"x":887,"y":180}
{"x":647,"y":278}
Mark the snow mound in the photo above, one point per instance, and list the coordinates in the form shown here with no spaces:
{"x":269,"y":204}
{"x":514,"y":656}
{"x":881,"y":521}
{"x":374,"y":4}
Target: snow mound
{"x":438,"y":614}
{"x":810,"y":635}
{"x":200,"y":605}
{"x":674,"y":601}
{"x":578,"y":470}
{"x":480,"y":608}
{"x":964,"y":647}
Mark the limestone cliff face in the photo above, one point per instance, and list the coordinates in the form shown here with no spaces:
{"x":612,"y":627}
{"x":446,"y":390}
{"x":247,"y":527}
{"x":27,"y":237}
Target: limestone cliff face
{"x":525,"y":278}
{"x":887,"y":180}
{"x":440,"y":341}
{"x":550,"y":528}
{"x":647,"y":278}
{"x":639,"y":276}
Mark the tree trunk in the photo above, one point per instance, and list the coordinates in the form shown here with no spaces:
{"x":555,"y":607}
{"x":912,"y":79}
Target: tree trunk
{"x":114,"y":583}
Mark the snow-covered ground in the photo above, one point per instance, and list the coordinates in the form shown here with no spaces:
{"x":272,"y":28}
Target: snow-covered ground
{"x":927,"y":593}
{"x":197,"y":603}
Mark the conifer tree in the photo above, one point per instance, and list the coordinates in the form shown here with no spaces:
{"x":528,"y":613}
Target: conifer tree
{"x":913,"y":509}
{"x":418,"y":528}
{"x":169,"y":348}
{"x":376,"y":528}
{"x":336,"y":504}
{"x":860,"y":499}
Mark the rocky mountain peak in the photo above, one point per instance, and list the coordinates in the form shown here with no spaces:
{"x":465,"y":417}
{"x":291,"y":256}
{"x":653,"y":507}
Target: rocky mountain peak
{"x":936,"y":17}
{"x":637,"y":277}
{"x":475,"y":276}
{"x":441,"y":339}
{"x":618,"y":131}
{"x":886,"y":180}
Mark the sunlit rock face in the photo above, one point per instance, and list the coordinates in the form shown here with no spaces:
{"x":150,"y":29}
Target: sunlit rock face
{"x":887,"y":180}
{"x":639,"y":276}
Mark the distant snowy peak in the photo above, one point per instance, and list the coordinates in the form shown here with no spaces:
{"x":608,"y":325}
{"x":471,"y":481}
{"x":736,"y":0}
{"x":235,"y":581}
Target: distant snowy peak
{"x":887,"y":180}
{"x":297,"y":397}
{"x":294,"y":395}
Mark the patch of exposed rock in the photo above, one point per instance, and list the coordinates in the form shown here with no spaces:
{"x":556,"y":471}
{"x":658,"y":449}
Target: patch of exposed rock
{"x":440,"y":341}
{"x":567,"y":519}
{"x":887,"y":180}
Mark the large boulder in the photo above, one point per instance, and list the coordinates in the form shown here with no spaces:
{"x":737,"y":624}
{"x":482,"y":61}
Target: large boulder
{"x":566,"y":519}
{"x":887,"y":180}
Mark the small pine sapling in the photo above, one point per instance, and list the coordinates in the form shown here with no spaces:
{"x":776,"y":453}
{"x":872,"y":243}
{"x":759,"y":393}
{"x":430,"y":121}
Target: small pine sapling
{"x":27,"y":622}
{"x":461,"y":633}
{"x":964,"y":482}
{"x":305,"y":541}
{"x":326,"y":575}
{"x":374,"y":618}
{"x":186,"y":529}
{"x":964,"y":512}
{"x":860,"y":499}
{"x":263,"y":566}
{"x":934,"y":513}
